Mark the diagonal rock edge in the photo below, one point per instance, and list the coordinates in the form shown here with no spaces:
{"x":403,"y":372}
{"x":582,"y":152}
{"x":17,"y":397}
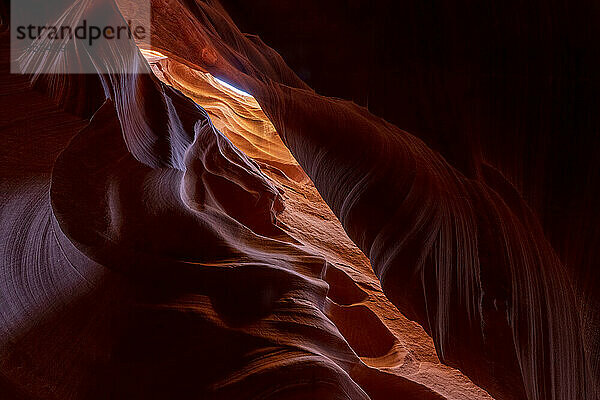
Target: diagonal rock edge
{"x":442,"y":217}
{"x":121,"y":198}
{"x":303,"y":204}
{"x":479,"y":254}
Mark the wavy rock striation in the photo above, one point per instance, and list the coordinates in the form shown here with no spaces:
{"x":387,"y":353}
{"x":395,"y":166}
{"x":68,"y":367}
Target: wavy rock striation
{"x":147,"y":256}
{"x":154,"y":248}
{"x":464,"y":255}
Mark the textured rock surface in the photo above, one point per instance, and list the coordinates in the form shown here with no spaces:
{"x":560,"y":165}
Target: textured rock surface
{"x":153,"y":248}
{"x":146,"y":256}
{"x":381,"y":336}
{"x":458,"y":250}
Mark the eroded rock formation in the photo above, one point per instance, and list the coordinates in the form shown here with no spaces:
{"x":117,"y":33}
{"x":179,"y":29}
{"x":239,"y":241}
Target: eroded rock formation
{"x":165,"y":237}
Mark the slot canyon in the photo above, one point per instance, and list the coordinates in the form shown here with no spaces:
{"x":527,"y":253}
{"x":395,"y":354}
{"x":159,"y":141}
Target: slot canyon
{"x":267,"y":199}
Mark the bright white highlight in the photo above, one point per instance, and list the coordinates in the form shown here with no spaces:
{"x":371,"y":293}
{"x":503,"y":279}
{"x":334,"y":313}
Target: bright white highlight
{"x":228,"y":86}
{"x":154,"y":56}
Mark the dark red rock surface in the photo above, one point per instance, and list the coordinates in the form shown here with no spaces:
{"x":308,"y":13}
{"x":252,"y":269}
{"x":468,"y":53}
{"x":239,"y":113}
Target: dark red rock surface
{"x":147,"y":254}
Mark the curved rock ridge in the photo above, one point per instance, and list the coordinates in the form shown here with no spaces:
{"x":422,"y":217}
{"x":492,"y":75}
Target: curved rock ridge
{"x":237,"y":115}
{"x":463,"y":255}
{"x":355,"y":298}
{"x":157,"y":247}
{"x":146,"y":256}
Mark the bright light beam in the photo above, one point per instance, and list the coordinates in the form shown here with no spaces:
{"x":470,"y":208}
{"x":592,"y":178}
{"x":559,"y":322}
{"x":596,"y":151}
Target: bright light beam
{"x":228,"y":86}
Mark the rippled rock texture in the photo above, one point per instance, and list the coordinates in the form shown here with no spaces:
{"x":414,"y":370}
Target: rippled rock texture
{"x":165,"y":236}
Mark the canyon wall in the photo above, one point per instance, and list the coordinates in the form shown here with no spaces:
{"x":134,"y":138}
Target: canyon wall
{"x":164,"y":236}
